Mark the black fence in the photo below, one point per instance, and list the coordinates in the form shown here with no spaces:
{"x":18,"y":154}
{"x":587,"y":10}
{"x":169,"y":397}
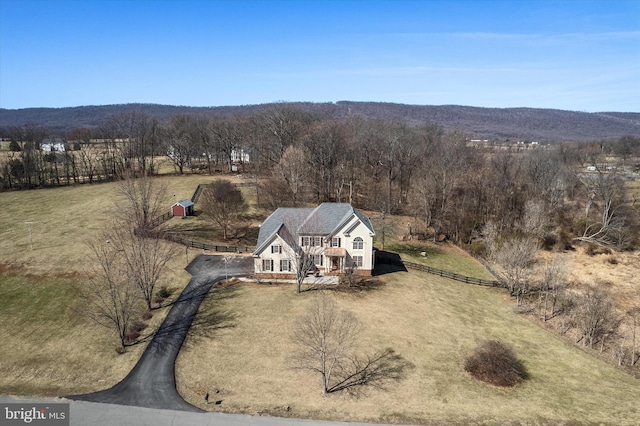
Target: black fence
{"x":160,"y":220}
{"x":451,"y":275}
{"x":207,"y":246}
{"x":197,"y":192}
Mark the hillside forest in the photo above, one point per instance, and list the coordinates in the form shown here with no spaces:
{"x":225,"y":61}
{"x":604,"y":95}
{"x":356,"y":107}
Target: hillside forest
{"x":502,"y":202}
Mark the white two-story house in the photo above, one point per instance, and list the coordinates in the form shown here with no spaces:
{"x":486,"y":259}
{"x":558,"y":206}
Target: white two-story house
{"x":335,"y":235}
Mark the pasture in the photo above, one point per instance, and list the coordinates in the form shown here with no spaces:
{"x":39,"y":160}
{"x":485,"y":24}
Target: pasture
{"x":48,"y":346}
{"x":242,"y":343}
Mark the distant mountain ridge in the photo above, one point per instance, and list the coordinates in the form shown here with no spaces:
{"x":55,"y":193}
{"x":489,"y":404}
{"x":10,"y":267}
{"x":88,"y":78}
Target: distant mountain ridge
{"x":534,"y":124}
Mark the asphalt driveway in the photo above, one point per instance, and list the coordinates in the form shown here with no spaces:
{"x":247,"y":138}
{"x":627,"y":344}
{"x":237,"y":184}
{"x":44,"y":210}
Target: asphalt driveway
{"x":152,"y":383}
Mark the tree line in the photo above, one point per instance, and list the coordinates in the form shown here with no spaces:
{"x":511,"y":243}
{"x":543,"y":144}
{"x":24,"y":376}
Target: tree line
{"x":502,"y":202}
{"x":387,"y":166}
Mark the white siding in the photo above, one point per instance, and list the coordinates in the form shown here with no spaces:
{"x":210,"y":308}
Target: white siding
{"x":285,"y":253}
{"x":367,"y":247}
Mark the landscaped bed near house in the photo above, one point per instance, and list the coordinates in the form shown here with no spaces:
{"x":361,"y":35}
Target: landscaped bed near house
{"x":432,"y":322}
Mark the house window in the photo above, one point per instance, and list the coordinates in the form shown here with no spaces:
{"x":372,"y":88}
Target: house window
{"x":317,"y":259}
{"x":357,"y":261}
{"x":358,"y":243}
{"x":267,"y":264}
{"x":276,"y":249}
{"x":285,"y":265}
{"x":311,"y":241}
{"x":335,"y":242}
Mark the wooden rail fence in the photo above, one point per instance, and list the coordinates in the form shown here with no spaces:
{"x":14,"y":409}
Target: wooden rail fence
{"x":451,"y":275}
{"x":206,"y":246}
{"x":197,"y":192}
{"x":160,"y":220}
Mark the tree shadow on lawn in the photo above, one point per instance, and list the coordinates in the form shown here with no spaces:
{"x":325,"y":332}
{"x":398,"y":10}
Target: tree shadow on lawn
{"x":210,"y":318}
{"x":213,"y":316}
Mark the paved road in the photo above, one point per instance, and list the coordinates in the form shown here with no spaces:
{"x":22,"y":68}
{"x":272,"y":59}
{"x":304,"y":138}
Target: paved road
{"x":152,"y":383}
{"x":84,"y":413}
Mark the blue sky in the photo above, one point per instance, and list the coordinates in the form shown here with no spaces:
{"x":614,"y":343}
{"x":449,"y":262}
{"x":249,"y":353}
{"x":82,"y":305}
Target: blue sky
{"x":577,"y":55}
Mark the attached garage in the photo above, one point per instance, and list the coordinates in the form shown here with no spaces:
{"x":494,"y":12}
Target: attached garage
{"x":182,"y":208}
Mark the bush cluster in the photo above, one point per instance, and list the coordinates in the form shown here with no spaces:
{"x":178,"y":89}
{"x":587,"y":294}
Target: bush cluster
{"x":496,"y":363}
{"x":135,"y":330}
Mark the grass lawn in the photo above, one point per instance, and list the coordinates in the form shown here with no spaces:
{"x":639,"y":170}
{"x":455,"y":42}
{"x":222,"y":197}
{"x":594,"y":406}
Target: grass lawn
{"x":63,"y":219}
{"x":444,"y":256}
{"x":240,"y":344}
{"x":48,"y":346}
{"x":434,"y":323}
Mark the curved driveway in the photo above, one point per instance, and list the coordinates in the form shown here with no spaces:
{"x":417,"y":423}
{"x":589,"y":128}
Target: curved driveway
{"x":152,"y":383}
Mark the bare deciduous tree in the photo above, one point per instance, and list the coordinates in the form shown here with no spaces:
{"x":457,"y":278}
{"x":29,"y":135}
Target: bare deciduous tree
{"x":594,"y":317}
{"x":634,"y":315}
{"x":145,"y":200}
{"x":326,"y":338}
{"x":223,"y":203}
{"x":535,"y":220}
{"x":294,"y":168}
{"x":144,"y":258}
{"x":181,"y":139}
{"x":605,"y":191}
{"x":515,"y":259}
{"x":550,"y":285}
{"x":111,"y":298}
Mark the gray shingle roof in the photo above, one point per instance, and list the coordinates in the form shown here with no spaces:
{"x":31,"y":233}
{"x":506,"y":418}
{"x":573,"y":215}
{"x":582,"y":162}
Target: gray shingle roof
{"x":325,"y":220}
{"x":290,"y":218}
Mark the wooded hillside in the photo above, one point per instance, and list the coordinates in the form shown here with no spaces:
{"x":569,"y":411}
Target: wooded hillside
{"x":532,"y":124}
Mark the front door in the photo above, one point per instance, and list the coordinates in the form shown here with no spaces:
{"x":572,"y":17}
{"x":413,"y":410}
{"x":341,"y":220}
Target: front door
{"x":335,"y":263}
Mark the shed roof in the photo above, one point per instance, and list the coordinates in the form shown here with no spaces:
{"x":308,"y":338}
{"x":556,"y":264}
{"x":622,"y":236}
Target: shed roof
{"x":184,"y":203}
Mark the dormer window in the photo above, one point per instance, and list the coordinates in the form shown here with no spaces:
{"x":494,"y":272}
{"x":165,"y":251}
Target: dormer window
{"x":276,"y":249}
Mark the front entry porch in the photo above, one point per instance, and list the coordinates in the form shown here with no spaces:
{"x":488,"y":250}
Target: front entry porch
{"x":336,"y":260}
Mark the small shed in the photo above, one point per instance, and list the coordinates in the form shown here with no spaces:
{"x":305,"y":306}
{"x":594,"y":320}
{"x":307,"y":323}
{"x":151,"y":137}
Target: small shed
{"x":182,"y":208}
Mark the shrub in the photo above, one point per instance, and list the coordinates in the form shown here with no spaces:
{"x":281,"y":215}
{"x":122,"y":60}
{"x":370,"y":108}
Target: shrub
{"x":495,"y":362}
{"x":135,"y":330}
{"x":138,"y":326}
{"x":549,"y":242}
{"x":147,"y":316}
{"x":164,"y":292}
{"x":594,"y":250}
{"x":131,"y":336}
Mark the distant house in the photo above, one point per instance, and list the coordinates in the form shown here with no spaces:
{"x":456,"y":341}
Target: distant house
{"x":240,"y":155}
{"x":53,"y":144}
{"x":335,"y":235}
{"x":182,"y":208}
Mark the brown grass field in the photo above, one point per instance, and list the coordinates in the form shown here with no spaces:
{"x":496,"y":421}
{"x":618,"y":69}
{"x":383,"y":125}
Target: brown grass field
{"x":432,"y":322}
{"x":48,"y":346}
{"x":242,"y":344}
